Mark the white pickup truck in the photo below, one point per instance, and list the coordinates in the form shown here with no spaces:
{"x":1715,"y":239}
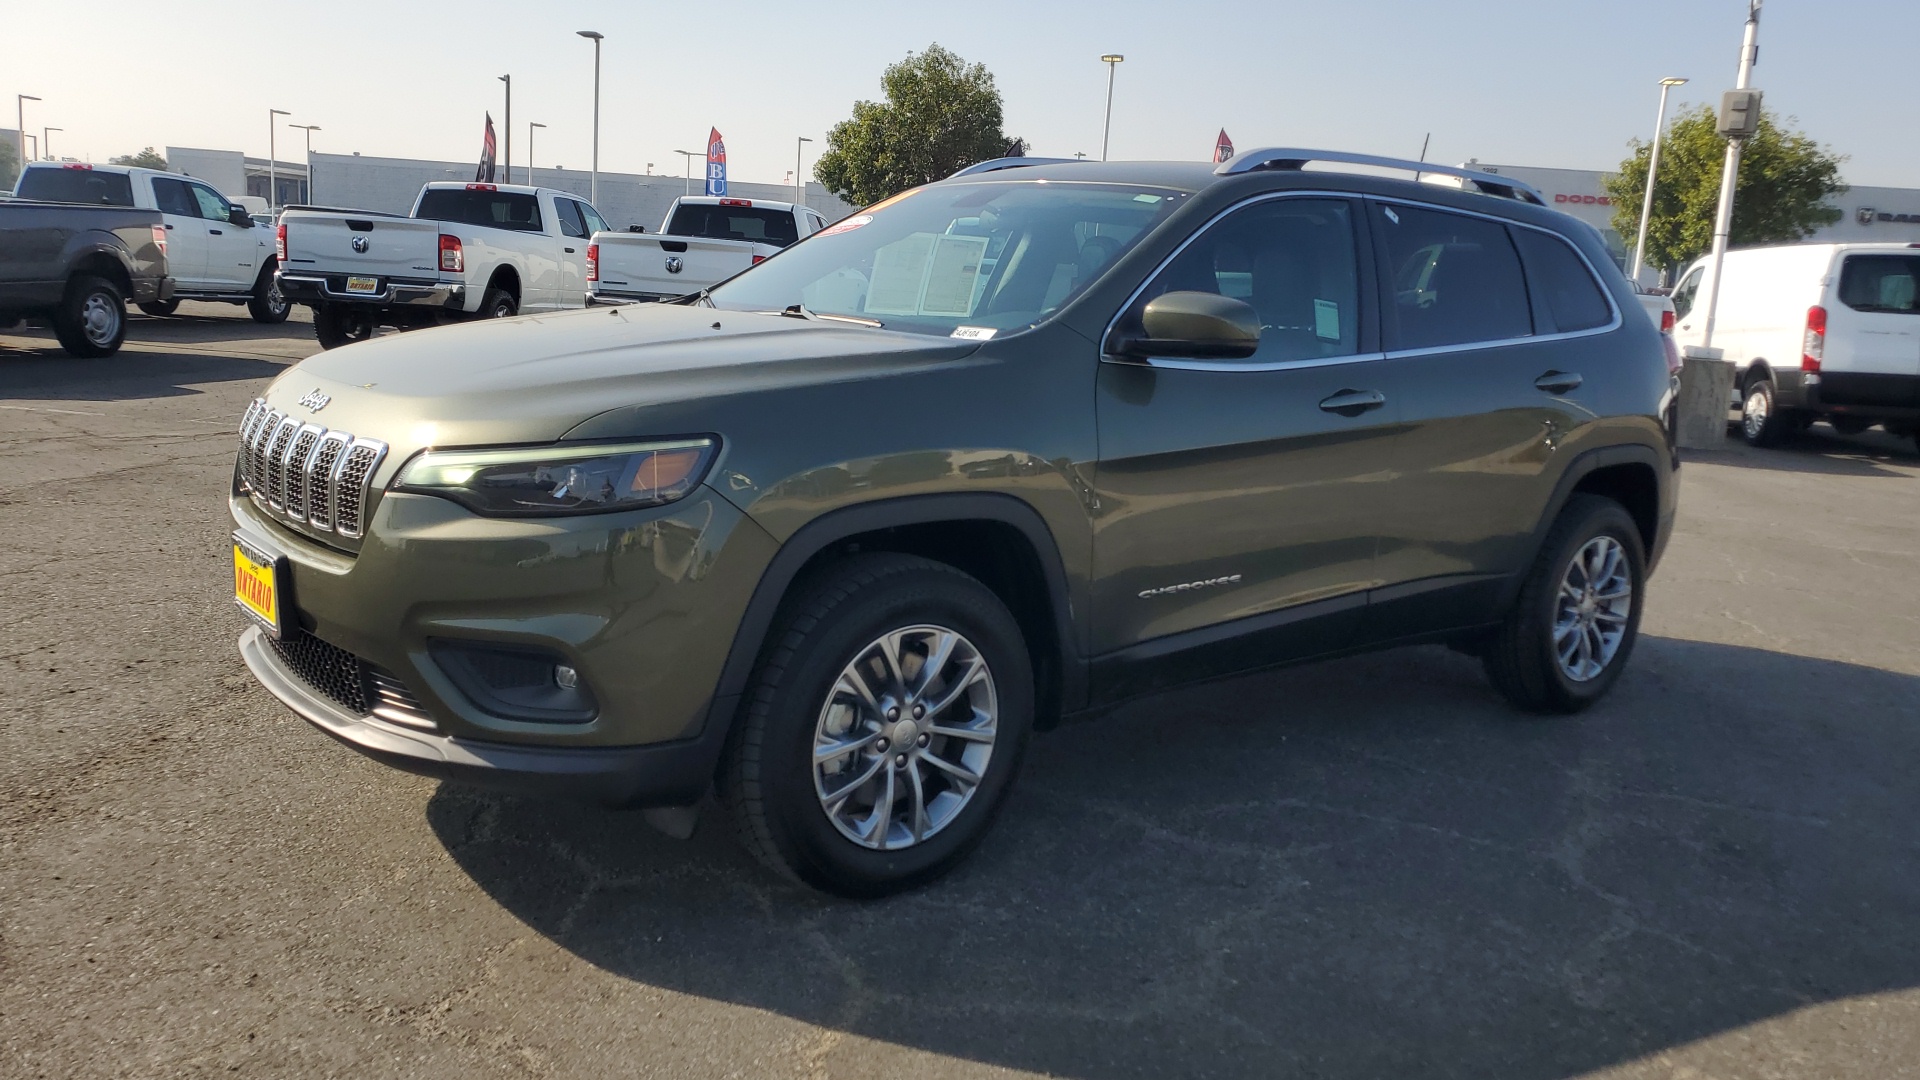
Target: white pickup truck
{"x":215,"y":250}
{"x":467,"y":251}
{"x":705,"y":240}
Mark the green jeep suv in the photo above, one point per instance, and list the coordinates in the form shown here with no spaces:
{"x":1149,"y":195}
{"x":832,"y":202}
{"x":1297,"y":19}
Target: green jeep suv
{"x":836,"y":535}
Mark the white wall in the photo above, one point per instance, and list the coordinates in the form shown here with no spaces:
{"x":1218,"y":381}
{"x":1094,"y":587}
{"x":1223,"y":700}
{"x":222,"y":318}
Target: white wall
{"x":226,"y":170}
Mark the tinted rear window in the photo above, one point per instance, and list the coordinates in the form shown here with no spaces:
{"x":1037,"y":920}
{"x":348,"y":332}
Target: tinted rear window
{"x":734,"y":223}
{"x":1573,"y":298}
{"x":1456,"y":279}
{"x":1883,"y":283}
{"x":76,"y":186}
{"x":497,"y":209}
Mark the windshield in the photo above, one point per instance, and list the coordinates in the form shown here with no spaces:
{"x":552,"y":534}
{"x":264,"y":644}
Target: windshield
{"x":965,"y":259}
{"x":76,"y":186}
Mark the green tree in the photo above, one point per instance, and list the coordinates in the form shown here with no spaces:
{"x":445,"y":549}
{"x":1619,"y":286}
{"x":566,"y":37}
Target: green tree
{"x":1785,"y":181}
{"x":9,"y":164}
{"x":148,"y":158}
{"x":940,"y":114}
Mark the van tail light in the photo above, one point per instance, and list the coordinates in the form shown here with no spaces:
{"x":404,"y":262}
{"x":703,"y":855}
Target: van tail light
{"x":1666,"y":322}
{"x":280,"y":241}
{"x":758,"y":259}
{"x":160,"y":238}
{"x":1814,"y":348}
{"x":452,"y":256}
{"x":593,"y":262}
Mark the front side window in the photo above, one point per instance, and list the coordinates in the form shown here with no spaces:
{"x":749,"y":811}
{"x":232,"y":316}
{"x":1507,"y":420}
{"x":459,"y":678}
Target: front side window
{"x":1456,"y":280}
{"x":992,"y":256}
{"x":569,"y":213}
{"x":1880,"y":283}
{"x":1686,"y":292}
{"x":1573,"y":299}
{"x":1292,"y":260}
{"x":595,"y":223}
{"x":211,"y":205}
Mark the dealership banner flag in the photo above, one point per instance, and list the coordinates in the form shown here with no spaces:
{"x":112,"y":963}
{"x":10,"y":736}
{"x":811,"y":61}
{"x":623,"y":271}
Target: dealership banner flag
{"x":716,"y":163}
{"x":1222,"y":147}
{"x":484,"y":174}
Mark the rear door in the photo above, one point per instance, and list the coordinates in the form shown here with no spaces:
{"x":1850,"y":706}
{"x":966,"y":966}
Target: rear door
{"x":1872,"y":354}
{"x":187,"y":239}
{"x":1490,"y":379}
{"x":232,"y":250}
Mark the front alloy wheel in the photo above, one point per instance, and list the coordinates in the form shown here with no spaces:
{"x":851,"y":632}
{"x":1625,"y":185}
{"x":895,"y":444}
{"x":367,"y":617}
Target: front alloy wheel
{"x":904,"y":737}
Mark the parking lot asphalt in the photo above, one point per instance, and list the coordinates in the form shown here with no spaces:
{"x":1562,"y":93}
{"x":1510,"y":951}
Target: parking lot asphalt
{"x":1367,"y":868}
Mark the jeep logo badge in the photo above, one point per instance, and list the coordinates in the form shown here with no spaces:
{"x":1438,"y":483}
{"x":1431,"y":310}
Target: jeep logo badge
{"x":674,"y":265}
{"x":313,"y":400}
{"x":361,"y":245}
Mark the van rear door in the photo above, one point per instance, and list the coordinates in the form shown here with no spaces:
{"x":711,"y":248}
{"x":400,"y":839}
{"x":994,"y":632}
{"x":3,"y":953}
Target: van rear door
{"x":1872,"y":348}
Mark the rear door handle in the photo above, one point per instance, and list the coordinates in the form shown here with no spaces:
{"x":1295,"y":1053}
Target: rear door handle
{"x":1353,"y":402}
{"x":1558,"y":382}
{"x":567,"y":250}
{"x":215,"y":232}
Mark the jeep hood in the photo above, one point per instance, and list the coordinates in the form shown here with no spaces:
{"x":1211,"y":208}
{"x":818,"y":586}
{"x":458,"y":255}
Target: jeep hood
{"x":534,"y":378}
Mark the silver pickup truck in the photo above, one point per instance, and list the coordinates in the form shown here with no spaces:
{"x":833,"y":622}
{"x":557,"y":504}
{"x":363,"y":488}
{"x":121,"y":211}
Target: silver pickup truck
{"x":704,"y":240}
{"x":467,"y":251}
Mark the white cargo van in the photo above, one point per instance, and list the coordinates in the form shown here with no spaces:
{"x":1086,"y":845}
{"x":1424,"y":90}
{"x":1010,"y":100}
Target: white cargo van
{"x":1817,"y":332}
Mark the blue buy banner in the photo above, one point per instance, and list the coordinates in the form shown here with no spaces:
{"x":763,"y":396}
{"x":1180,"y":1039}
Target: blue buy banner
{"x":716,"y":163}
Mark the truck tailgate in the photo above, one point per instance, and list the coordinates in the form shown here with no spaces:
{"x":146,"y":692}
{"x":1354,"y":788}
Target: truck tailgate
{"x":635,"y":265}
{"x":374,"y":245}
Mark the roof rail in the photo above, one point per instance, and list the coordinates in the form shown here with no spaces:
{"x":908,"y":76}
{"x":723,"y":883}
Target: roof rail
{"x":1294,"y":160}
{"x":996,"y":164}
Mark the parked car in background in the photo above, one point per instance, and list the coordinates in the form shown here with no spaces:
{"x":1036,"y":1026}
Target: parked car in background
{"x":78,"y":267}
{"x":215,"y":251}
{"x":467,"y":251}
{"x":841,"y":531}
{"x":704,"y":239}
{"x":1816,"y":332}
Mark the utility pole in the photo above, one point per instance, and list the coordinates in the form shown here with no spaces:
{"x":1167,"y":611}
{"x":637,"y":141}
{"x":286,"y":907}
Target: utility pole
{"x":688,"y":156}
{"x":309,"y":129}
{"x":1112,"y":60}
{"x":596,"y":37}
{"x":273,"y":160}
{"x":508,"y":79}
{"x":46,"y":141}
{"x":1653,"y":171}
{"x":20,"y":125}
{"x":1723,"y":220}
{"x":799,"y":150}
{"x":530,"y":126}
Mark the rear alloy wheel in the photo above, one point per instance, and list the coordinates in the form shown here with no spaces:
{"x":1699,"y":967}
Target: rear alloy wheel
{"x":1570,"y":632}
{"x":883,"y":727}
{"x":1762,"y":422}
{"x":92,"y":320}
{"x":269,"y":305}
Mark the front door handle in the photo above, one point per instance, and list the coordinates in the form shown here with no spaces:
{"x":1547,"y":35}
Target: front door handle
{"x":215,"y":232}
{"x":1353,"y":402}
{"x":1558,"y":382}
{"x":567,"y":250}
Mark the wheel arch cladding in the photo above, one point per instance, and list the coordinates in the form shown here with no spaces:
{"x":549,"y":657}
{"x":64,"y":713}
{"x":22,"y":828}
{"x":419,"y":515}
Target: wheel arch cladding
{"x":100,"y":264}
{"x":506,"y":279}
{"x":1634,"y":485}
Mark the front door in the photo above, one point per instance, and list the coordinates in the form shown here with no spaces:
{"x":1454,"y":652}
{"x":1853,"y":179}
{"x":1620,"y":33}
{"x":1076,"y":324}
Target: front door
{"x":572,"y":292}
{"x":186,"y":232}
{"x":1243,"y":499}
{"x":233,"y":251}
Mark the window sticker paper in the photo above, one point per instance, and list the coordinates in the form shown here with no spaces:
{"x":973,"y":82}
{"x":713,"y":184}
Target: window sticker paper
{"x":1326,"y":320}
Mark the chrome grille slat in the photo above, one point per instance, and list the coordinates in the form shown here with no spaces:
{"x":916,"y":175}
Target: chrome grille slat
{"x":318,"y":478}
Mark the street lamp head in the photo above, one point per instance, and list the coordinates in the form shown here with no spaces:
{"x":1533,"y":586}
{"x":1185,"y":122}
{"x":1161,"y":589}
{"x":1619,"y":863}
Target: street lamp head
{"x":26,"y":97}
{"x":1112,"y":58}
{"x":803,"y":138}
{"x":1673,"y":81}
{"x":505,"y":78}
{"x":594,"y":34}
{"x":535,"y":125}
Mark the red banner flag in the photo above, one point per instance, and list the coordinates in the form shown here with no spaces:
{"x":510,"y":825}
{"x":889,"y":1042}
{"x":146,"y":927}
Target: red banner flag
{"x":484,"y":174}
{"x":1222,"y":147}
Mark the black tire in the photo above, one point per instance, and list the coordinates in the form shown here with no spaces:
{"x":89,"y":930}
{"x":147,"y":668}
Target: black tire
{"x":499,"y":304}
{"x":768,"y":778}
{"x":269,"y":305}
{"x":92,"y":320}
{"x":1762,"y":422}
{"x":1522,"y":660}
{"x":335,"y":325}
{"x":160,"y":309}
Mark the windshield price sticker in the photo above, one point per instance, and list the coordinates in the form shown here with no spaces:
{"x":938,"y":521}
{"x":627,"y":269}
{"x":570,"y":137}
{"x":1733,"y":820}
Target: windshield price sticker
{"x":927,"y":274}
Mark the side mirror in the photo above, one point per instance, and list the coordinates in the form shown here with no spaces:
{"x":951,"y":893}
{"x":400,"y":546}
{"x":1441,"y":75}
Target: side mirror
{"x":237,"y":215}
{"x":1196,"y":325}
{"x":636,"y":228}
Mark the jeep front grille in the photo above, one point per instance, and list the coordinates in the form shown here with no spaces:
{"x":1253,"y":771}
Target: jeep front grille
{"x":306,"y":473}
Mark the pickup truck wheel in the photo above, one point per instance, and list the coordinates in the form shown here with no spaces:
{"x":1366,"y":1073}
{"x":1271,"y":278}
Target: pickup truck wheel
{"x":498,"y":304}
{"x":92,"y":320}
{"x":160,"y":309}
{"x":882,"y":729}
{"x":335,"y":325}
{"x":1568,"y":635}
{"x":269,"y":305}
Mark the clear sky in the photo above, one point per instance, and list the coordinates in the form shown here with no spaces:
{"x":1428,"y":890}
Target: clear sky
{"x":1548,"y":83}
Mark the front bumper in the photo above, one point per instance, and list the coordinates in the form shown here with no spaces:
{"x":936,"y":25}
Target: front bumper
{"x":667,"y":774}
{"x":320,"y":289}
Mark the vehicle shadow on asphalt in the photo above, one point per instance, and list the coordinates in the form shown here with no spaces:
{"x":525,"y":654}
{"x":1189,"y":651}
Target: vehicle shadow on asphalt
{"x":1360,"y":869}
{"x":1820,"y":450}
{"x":50,"y":374}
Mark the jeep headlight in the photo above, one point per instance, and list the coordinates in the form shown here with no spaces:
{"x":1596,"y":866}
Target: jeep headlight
{"x":545,"y":480}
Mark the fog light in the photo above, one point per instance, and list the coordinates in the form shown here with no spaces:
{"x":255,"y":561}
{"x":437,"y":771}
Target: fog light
{"x":516,"y":682}
{"x":565,"y":677}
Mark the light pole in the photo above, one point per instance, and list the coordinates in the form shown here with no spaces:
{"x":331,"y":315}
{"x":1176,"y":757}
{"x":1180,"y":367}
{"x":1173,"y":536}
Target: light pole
{"x":1112,"y":60}
{"x":799,"y":149}
{"x":688,"y":156}
{"x":1653,"y":170}
{"x":273,"y":161}
{"x":309,"y":129}
{"x":530,"y":126}
{"x":46,"y":141}
{"x":596,"y":37}
{"x":1723,"y":219}
{"x":20,"y":124}
{"x":508,"y":157}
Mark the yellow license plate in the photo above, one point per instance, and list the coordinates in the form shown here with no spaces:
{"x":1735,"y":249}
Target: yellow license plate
{"x":256,"y":584}
{"x":363,"y":285}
